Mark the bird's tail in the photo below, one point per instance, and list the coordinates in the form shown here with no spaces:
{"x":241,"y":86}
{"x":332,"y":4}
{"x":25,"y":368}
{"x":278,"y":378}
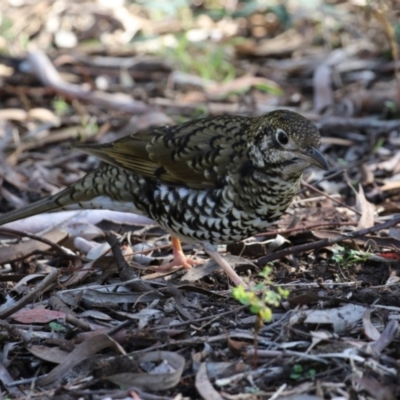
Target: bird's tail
{"x":106,"y":187}
{"x":58,"y":201}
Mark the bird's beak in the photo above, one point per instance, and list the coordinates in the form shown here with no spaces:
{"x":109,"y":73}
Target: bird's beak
{"x":315,"y":157}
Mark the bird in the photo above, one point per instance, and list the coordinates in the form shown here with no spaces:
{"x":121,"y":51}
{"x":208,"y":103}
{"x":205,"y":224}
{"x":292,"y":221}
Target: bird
{"x":208,"y":181}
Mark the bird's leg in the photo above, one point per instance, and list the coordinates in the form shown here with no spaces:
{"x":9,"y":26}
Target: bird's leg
{"x":237,"y":280}
{"x":180,"y":260}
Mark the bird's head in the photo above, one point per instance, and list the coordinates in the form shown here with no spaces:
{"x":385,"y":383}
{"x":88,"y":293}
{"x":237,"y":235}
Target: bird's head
{"x":285,"y":140}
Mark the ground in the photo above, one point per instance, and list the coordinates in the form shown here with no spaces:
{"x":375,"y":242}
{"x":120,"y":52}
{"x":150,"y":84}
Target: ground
{"x":80,"y":291}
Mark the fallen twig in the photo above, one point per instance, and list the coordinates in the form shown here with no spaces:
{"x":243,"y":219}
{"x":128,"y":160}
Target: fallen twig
{"x":32,"y":236}
{"x":306,"y":228}
{"x":311,"y":187}
{"x":326,"y":242}
{"x":49,"y":76}
{"x":15,"y":332}
{"x":126,"y":273}
{"x":40,"y":287}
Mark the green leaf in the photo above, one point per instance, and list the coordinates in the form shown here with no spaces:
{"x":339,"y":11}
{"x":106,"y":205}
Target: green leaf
{"x":266,"y":314}
{"x":56,"y":327}
{"x":269,"y":88}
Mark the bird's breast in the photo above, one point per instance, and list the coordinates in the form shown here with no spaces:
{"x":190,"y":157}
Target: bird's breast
{"x":230,"y":213}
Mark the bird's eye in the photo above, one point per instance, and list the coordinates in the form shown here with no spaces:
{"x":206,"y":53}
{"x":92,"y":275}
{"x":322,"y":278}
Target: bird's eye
{"x":282,"y":138}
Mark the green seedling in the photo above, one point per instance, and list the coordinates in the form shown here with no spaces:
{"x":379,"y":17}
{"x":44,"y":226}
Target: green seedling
{"x":344,"y":257}
{"x":300,"y":373}
{"x":260,"y":299}
{"x":61,"y":107}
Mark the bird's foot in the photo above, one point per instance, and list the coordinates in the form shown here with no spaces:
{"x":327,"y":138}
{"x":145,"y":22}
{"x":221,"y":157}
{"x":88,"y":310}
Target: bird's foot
{"x":180,"y":260}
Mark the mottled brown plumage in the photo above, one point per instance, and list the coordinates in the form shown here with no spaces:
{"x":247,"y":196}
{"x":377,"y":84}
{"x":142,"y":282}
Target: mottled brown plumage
{"x":212,"y":180}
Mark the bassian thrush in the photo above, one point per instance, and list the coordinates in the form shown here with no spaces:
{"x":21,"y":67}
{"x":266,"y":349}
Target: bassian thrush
{"x":207,"y":181}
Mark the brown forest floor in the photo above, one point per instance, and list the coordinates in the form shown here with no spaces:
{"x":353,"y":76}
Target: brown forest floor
{"x":125,"y":66}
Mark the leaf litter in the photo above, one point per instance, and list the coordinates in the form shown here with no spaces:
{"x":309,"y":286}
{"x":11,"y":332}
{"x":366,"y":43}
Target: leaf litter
{"x":81,"y":298}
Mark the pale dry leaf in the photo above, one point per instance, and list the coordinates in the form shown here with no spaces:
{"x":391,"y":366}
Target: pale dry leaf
{"x":46,"y":221}
{"x":14,"y":114}
{"x":390,"y":165}
{"x":340,"y":318}
{"x":318,"y":337}
{"x":393,"y":278}
{"x":367,"y":210}
{"x":364,"y":206}
{"x":204,"y":386}
{"x":44,"y":115}
{"x":388,"y":335}
{"x":370,"y":331}
{"x":390,"y":186}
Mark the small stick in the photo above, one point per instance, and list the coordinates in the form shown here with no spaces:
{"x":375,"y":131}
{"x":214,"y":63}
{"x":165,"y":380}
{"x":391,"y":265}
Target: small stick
{"x":307,"y":185}
{"x":327,"y":242}
{"x":32,"y":236}
{"x":31,"y":295}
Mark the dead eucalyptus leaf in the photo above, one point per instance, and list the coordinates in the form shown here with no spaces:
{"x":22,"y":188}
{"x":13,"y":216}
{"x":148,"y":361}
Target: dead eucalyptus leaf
{"x":204,"y":386}
{"x":82,"y":351}
{"x":153,"y":380}
{"x":50,"y":354}
{"x":339,"y":318}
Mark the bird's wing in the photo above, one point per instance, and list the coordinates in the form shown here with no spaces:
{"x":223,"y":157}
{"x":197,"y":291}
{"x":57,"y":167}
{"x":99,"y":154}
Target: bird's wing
{"x":198,"y":154}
